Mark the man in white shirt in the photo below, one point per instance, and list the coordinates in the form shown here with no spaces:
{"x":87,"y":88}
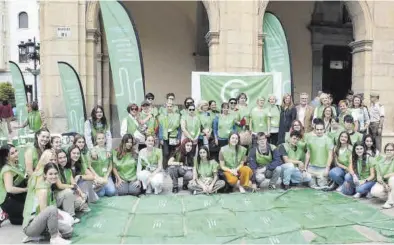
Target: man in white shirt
{"x":305,"y":112}
{"x":376,"y":113}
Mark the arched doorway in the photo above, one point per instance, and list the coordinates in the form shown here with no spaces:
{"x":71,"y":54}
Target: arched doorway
{"x":337,"y":27}
{"x":172,"y":38}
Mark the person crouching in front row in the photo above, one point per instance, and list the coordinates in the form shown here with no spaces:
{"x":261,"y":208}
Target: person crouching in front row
{"x":181,"y":165}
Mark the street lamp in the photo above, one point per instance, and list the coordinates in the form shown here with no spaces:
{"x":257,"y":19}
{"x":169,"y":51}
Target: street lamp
{"x":30,"y":51}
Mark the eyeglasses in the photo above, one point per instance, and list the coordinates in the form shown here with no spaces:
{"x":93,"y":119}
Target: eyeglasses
{"x":233,"y":102}
{"x":192,"y":109}
{"x":134,"y":109}
{"x":389,"y":149}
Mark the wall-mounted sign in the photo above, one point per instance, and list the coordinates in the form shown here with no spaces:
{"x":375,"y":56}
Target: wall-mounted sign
{"x":336,"y":64}
{"x":63,"y":32}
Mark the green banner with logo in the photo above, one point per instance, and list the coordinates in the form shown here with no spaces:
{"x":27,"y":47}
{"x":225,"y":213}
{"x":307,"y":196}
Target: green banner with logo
{"x":18,"y":82}
{"x":276,"y":51}
{"x":73,"y":97}
{"x":223,"y":87}
{"x":124,"y":54}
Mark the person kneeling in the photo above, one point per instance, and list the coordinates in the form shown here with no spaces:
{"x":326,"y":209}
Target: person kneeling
{"x":181,"y":165}
{"x":232,"y":159}
{"x":261,"y":161}
{"x":40,"y":213}
{"x":205,"y":178}
{"x":293,"y":169}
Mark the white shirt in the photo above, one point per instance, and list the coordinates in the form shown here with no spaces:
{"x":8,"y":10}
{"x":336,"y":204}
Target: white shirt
{"x":376,"y":111}
{"x":301,"y":114}
{"x":123,"y":127}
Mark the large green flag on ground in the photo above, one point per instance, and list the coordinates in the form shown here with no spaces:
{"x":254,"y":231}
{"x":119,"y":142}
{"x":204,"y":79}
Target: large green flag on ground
{"x":276,"y":51}
{"x":73,"y":97}
{"x":124,"y":54}
{"x":223,"y":86}
{"x":18,"y":82}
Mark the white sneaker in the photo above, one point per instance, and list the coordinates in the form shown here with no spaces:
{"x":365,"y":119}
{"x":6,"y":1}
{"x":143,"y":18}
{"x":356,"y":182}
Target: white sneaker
{"x":32,"y":239}
{"x":387,"y":205}
{"x":369,"y":195}
{"x":59,"y":240}
{"x":149,"y":189}
{"x":194,"y":192}
{"x":339,"y":189}
{"x":357,"y":195}
{"x":76,"y":221}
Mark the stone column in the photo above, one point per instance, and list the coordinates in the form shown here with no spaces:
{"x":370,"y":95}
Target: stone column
{"x":260,"y":43}
{"x":93,"y":69}
{"x":317,"y":68}
{"x":54,"y":14}
{"x":212,"y":39}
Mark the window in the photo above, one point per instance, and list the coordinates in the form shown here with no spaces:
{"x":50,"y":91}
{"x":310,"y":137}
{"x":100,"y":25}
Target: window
{"x":23,"y":20}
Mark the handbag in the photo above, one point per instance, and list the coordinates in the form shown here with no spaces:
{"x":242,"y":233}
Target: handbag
{"x":245,"y":138}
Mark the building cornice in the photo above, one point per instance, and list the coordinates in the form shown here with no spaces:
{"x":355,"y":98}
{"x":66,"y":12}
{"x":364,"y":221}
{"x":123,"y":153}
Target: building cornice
{"x":361,"y":46}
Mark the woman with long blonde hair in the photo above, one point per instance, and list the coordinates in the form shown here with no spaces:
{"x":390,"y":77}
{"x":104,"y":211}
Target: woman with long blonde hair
{"x":288,"y":113}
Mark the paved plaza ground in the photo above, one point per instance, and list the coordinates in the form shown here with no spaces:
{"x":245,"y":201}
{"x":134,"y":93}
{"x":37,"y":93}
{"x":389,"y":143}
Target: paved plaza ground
{"x":270,"y":217}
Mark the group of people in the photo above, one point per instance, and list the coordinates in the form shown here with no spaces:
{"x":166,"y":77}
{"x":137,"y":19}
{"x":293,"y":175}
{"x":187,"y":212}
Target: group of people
{"x":243,"y":146}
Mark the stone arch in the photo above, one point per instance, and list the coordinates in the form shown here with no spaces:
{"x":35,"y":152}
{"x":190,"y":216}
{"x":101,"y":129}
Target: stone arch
{"x":358,"y":10}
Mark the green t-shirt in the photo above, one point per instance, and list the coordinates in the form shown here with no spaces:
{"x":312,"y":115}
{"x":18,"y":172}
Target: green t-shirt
{"x":243,"y":112}
{"x":193,"y":125}
{"x":17,"y":175}
{"x":356,"y":137}
{"x":343,"y":156}
{"x":301,"y":147}
{"x":363,"y":169}
{"x":34,"y":120}
{"x":207,"y":169}
{"x":206,"y":120}
{"x":263,"y":160}
{"x":259,"y":119}
{"x":225,"y":125}
{"x":102,"y":164}
{"x":273,"y":112}
{"x":169,"y":124}
{"x":319,"y":148}
{"x":231,"y":158}
{"x":382,"y":166}
{"x":150,"y":162}
{"x":126,"y":166}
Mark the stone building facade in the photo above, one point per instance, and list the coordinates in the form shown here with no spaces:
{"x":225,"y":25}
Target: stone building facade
{"x":222,"y":36}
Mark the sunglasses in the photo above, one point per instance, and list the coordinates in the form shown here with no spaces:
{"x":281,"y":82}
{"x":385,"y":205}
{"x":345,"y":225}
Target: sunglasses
{"x":192,"y":109}
{"x":233,"y":103}
{"x":150,"y":98}
{"x":134,"y":109}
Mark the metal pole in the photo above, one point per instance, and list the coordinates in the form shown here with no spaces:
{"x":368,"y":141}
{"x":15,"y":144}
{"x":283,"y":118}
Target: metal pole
{"x":35,"y":69}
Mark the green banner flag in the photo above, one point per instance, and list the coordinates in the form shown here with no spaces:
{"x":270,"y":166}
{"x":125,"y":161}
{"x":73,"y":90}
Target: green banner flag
{"x":18,"y":82}
{"x":124,"y":54}
{"x":223,"y":87}
{"x":73,"y":97}
{"x":276,"y":51}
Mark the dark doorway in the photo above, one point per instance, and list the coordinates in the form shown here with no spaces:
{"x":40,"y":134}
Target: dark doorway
{"x":337,"y":71}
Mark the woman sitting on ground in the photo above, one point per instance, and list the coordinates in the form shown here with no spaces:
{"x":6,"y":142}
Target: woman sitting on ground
{"x":102,"y":168}
{"x":205,"y":178}
{"x":125,"y":167}
{"x":181,"y":165}
{"x":33,"y":153}
{"x":361,"y":176}
{"x":150,"y":167}
{"x":384,"y":166}
{"x":13,"y":186}
{"x":232,"y":158}
{"x":40,"y":213}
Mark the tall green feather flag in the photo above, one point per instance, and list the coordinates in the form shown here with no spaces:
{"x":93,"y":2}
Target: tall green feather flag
{"x":124,"y":54}
{"x":276,"y":51}
{"x":73,"y":97}
{"x":18,"y":82}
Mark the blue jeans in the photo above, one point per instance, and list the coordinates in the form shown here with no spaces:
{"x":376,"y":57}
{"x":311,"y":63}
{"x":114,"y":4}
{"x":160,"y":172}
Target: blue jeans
{"x":349,"y":188}
{"x":293,"y":174}
{"x":108,"y":190}
{"x":337,"y":175}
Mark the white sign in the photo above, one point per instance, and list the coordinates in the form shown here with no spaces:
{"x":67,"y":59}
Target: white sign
{"x":63,"y":32}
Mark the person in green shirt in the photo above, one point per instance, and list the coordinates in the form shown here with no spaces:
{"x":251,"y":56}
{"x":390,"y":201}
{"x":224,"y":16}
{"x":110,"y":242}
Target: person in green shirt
{"x":40,"y":213}
{"x":188,"y":101}
{"x":205,"y":179}
{"x":273,"y":111}
{"x":125,"y":168}
{"x":181,"y":165}
{"x":242,"y":119}
{"x":361,"y":173}
{"x":98,"y":123}
{"x":130,"y":124}
{"x":150,"y":98}
{"x":56,"y":143}
{"x":370,"y":145}
{"x":13,"y":186}
{"x":319,"y":156}
{"x":33,"y":153}
{"x":190,"y":125}
{"x":342,"y":160}
{"x":292,"y":154}
{"x":206,"y":119}
{"x":101,"y":166}
{"x":344,"y":110}
{"x":349,"y":127}
{"x":223,"y":125}
{"x":325,"y":102}
{"x":232,"y":158}
{"x":258,"y":119}
{"x":169,"y":132}
{"x":150,"y":167}
{"x":213,"y":107}
{"x":384,"y":167}
{"x":170,"y":97}
{"x":336,"y":129}
{"x":35,"y":119}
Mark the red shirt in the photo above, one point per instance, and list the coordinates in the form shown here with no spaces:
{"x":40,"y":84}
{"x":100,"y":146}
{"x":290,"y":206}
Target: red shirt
{"x":6,"y":111}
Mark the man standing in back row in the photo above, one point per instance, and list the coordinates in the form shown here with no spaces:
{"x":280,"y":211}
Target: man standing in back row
{"x":376,"y":113}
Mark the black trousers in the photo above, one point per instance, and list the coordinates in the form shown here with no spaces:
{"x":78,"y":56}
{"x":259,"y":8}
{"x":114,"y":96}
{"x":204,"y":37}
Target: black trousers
{"x":13,"y":205}
{"x":168,"y":150}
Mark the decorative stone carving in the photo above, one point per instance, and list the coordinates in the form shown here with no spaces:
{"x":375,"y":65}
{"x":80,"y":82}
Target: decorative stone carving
{"x":212,"y":37}
{"x":361,"y":46}
{"x":93,"y":35}
{"x":260,"y":39}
